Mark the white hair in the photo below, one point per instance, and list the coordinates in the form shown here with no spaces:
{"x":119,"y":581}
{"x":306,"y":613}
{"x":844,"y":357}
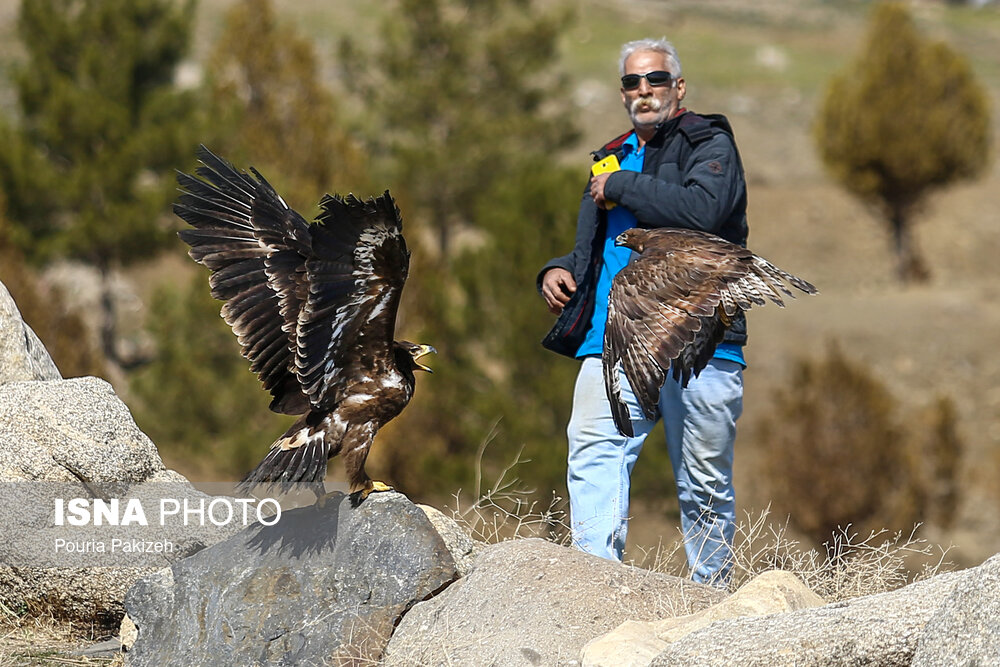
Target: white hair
{"x":659,"y":46}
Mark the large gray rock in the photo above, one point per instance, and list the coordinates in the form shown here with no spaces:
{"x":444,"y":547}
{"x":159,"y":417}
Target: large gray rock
{"x":531,"y":602}
{"x":22,"y":355}
{"x":323,"y":585}
{"x":875,"y":630}
{"x":73,"y":431}
{"x":66,"y":439}
{"x":460,"y":544}
{"x":965,"y":630}
{"x":636,"y":644}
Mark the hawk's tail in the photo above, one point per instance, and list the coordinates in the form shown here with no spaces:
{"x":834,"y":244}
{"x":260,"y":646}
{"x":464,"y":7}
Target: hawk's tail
{"x":298,"y":457}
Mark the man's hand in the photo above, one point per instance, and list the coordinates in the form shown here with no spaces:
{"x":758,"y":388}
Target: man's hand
{"x":557,"y":287}
{"x":597,"y":188}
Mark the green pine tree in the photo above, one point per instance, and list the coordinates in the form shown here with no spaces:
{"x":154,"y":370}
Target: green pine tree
{"x":905,"y":119}
{"x":87,"y":168}
{"x":267,"y":92}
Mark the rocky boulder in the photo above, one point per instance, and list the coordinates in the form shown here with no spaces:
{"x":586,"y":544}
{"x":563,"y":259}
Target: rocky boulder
{"x":322,"y":585}
{"x":22,"y":355}
{"x":74,"y":439}
{"x":965,"y":629}
{"x":878,"y":629}
{"x":635,"y":644}
{"x":73,"y":431}
{"x":531,"y":602}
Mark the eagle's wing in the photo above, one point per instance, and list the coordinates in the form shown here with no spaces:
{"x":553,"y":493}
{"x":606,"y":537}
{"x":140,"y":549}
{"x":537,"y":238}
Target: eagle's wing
{"x":664,"y":310}
{"x":356,"y":273}
{"x":256,"y":247}
{"x":307,"y":302}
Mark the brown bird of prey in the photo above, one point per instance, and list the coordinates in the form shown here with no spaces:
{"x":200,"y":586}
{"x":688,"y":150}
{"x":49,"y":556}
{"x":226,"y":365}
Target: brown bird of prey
{"x":670,"y":306}
{"x":314,"y":309}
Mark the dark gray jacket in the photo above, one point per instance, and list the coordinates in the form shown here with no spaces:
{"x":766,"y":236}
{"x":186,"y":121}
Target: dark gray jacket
{"x":692,"y":177}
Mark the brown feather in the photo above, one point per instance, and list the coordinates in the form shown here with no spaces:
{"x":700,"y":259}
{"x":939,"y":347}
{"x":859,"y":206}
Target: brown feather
{"x":313,"y":307}
{"x":669,"y":308}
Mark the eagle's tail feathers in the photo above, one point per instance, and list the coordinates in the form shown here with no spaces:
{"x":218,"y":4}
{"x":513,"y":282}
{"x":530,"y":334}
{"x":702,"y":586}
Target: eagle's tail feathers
{"x":286,"y":465}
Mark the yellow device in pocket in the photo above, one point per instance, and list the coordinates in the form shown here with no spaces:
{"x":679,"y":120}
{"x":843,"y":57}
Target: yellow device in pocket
{"x":608,"y":164}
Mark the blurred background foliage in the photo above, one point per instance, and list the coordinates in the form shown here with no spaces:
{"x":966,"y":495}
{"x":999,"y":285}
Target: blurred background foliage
{"x":842,"y":441}
{"x":468,"y":113}
{"x":907,"y":117}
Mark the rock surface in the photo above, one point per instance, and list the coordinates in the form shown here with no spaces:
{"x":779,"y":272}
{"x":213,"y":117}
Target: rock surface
{"x":73,"y":431}
{"x":64,"y":439}
{"x":323,"y":585}
{"x":22,"y":355}
{"x":461,"y":546}
{"x":531,"y":602}
{"x":875,"y":630}
{"x":635,"y":644}
{"x":965,"y":630}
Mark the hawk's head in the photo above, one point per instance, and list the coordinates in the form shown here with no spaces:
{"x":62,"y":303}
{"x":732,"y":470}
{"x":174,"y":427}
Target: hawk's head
{"x":413,"y":352}
{"x":634,"y":238}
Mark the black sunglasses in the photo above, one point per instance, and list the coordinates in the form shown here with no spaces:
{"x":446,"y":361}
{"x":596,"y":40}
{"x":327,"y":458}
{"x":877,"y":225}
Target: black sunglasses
{"x":657,"y":78}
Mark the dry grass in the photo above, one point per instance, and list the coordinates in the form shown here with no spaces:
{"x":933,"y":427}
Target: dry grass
{"x":507,"y":511}
{"x":40,"y":640}
{"x":850,"y":564}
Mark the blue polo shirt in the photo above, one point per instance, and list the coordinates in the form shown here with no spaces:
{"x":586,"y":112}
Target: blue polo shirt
{"x":615,"y":258}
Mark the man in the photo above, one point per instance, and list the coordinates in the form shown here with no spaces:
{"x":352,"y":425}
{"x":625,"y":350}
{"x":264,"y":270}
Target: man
{"x":678,"y":169}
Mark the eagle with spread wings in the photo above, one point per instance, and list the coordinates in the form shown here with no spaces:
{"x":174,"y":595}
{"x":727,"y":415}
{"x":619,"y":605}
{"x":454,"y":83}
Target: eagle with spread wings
{"x":313,"y":306}
{"x":670,"y":306}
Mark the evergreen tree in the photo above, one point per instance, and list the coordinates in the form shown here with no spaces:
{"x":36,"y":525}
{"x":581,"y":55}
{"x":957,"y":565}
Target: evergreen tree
{"x":268,"y":95}
{"x":839,"y":451}
{"x":906,"y":118}
{"x":457,"y":94}
{"x":88,"y":166}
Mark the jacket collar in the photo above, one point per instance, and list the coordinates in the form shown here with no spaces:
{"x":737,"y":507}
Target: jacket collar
{"x":662,"y":130}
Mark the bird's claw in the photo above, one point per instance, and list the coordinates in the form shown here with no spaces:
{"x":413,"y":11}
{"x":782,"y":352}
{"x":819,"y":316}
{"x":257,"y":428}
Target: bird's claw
{"x":370,"y":488}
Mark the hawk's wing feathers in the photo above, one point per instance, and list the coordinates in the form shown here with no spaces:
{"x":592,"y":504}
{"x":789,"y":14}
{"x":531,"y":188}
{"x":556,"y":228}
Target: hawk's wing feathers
{"x":220,"y":205}
{"x":356,"y":275}
{"x":301,"y":298}
{"x":669,"y":308}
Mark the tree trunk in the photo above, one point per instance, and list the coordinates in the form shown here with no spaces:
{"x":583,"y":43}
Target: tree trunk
{"x":910,"y":265}
{"x":111,"y":345}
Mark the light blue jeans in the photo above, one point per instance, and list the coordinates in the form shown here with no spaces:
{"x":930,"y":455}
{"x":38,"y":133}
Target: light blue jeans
{"x":700,"y":425}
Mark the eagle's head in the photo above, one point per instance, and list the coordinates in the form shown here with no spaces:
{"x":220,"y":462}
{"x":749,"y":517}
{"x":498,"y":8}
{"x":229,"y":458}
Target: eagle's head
{"x":634,"y":238}
{"x":413,"y":352}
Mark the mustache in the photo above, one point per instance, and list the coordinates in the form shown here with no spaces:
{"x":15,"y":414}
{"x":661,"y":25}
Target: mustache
{"x":645,"y":104}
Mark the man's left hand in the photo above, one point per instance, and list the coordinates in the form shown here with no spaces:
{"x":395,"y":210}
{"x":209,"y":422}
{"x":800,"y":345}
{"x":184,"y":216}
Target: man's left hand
{"x":597,"y":189}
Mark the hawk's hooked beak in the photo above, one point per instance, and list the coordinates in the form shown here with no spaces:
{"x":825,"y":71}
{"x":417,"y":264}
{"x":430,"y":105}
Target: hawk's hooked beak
{"x":620,"y":239}
{"x":422,"y":351}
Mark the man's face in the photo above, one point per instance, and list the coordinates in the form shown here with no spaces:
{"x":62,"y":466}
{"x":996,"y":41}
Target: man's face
{"x":647,"y":105}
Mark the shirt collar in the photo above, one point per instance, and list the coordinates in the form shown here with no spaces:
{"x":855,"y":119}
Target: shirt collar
{"x":631,"y":144}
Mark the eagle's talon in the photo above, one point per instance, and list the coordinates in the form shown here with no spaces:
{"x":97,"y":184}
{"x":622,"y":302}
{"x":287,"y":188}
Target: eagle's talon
{"x":376,"y":487}
{"x":372,"y":487}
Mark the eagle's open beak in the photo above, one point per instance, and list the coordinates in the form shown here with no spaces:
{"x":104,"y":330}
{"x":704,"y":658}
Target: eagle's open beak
{"x":620,"y":239}
{"x":423,"y":350}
